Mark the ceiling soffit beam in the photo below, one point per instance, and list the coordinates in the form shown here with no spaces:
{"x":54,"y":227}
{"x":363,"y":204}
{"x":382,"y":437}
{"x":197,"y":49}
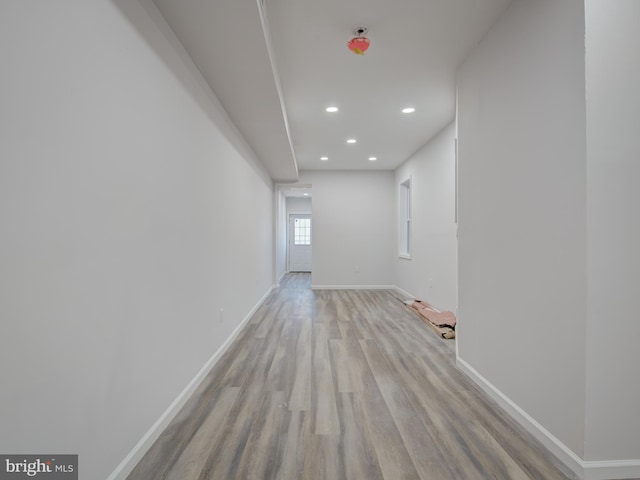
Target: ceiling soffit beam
{"x":276,"y":78}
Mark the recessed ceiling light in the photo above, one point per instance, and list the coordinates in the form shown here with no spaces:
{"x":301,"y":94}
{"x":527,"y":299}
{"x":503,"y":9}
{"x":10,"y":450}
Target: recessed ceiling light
{"x":372,"y":159}
{"x":306,"y":194}
{"x":331,"y":109}
{"x":351,"y":140}
{"x":408,"y":110}
{"x":324,"y":158}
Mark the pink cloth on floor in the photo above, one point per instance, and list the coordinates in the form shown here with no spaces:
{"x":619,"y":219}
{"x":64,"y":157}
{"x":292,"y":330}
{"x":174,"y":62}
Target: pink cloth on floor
{"x":434,"y":316}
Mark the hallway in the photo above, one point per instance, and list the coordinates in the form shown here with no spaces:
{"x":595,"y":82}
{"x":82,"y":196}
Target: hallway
{"x":341,"y":384}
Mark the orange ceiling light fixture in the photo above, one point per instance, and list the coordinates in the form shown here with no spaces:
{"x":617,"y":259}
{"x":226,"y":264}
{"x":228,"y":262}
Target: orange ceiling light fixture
{"x":360,"y":43}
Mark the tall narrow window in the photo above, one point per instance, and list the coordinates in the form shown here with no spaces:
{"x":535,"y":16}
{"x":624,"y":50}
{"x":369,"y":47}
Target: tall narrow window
{"x":302,"y":231}
{"x":404,"y":219}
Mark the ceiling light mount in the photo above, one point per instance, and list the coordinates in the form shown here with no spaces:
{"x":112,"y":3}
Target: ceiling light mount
{"x":360,"y":31}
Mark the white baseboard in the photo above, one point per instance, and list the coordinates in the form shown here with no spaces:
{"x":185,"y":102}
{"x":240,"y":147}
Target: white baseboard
{"x":353,"y":287}
{"x":559,"y":449}
{"x":404,"y":293}
{"x":612,"y":469}
{"x":587,"y":470}
{"x":135,"y":455}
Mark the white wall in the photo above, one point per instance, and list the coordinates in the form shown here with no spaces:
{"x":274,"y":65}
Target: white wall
{"x":613,"y":169}
{"x":431,"y":273}
{"x":298,"y":205}
{"x":123,"y":233}
{"x":522,"y":214}
{"x":353,"y":227}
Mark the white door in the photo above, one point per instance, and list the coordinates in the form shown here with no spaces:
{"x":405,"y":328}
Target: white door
{"x":299,"y":243}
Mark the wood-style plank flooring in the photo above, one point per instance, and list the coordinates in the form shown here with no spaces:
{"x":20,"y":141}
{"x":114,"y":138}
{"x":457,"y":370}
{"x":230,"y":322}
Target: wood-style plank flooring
{"x":342,"y":384}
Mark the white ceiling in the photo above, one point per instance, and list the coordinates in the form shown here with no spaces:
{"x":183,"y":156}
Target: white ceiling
{"x":275,"y":69}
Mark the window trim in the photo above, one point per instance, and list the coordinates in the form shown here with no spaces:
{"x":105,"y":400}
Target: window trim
{"x":297,"y":235}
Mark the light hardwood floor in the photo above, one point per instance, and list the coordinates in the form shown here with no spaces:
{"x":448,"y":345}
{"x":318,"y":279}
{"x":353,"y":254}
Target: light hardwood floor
{"x":342,"y":384}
